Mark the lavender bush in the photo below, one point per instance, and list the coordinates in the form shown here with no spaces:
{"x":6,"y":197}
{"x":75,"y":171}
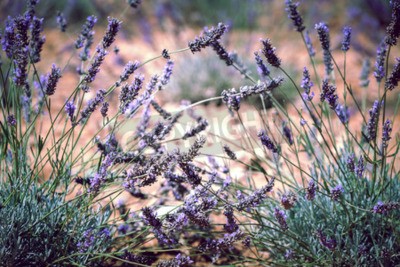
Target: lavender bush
{"x":327,"y":191}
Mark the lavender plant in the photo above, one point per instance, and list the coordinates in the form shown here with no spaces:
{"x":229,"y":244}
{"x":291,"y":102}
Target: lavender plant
{"x":343,"y":209}
{"x":326,"y":195}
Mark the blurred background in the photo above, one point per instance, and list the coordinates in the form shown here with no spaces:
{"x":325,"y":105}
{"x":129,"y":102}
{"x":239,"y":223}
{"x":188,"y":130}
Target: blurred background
{"x":170,"y":24}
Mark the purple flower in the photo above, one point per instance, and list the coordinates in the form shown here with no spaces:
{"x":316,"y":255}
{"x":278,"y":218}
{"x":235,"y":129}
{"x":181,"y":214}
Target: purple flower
{"x":130,"y":92}
{"x":52,"y":80}
{"x":329,"y":94}
{"x":88,"y":241}
{"x":267,"y":142}
{"x":337,"y":192}
{"x":167,"y":72}
{"x":150,"y":217}
{"x":229,"y":152}
{"x":350,"y":163}
{"x":394,"y":78}
{"x":262,"y":68}
{"x":290,"y":254}
{"x":293,"y":14}
{"x":387,"y":129}
{"x":61,"y":21}
{"x":104,"y":109}
{"x":201,"y":126}
{"x":373,"y":121}
{"x":222,"y":53}
{"x":329,"y":243}
{"x":288,"y":201}
{"x":311,"y":190}
{"x":11,"y":120}
{"x":346,"y":39}
{"x":22,"y":24}
{"x":379,"y":72}
{"x":123,"y":228}
{"x":85,"y":39}
{"x":144,"y":122}
{"x":360,"y":167}
{"x":306,"y":84}
{"x":151,"y":85}
{"x":179,"y":261}
{"x":393,"y":30}
{"x":207,"y":37}
{"x":365,"y":70}
{"x":323,"y":34}
{"x":232,"y":99}
{"x":281,"y":218}
{"x":37,"y":41}
{"x":230,"y":225}
{"x":87,"y":31}
{"x":112,"y":30}
{"x":343,"y":113}
{"x":288,"y":134}
{"x":21,"y":63}
{"x":92,"y":104}
{"x":255,"y":198}
{"x":95,"y":67}
{"x":384,"y":208}
{"x":269,"y":53}
{"x":8,"y":40}
{"x":247,"y":242}
{"x":310,"y":48}
{"x":70,"y":110}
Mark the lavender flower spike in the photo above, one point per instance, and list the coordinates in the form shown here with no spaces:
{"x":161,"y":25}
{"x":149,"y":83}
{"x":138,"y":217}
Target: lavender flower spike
{"x":387,"y":129}
{"x":323,"y":34}
{"x":37,"y":41}
{"x":207,"y":37}
{"x":128,"y":70}
{"x":310,"y":190}
{"x":329,"y":243}
{"x":373,"y":121}
{"x":350,"y":163}
{"x":92,"y":105}
{"x":360,"y":167}
{"x":337,"y":192}
{"x":346,"y":39}
{"x":269,"y":52}
{"x":266,"y":141}
{"x":293,"y":14}
{"x":281,"y":218}
{"x":11,"y":120}
{"x":52,"y":80}
{"x":329,"y":94}
{"x":95,"y":67}
{"x":112,"y":30}
{"x":393,"y":30}
{"x":306,"y":84}
{"x":70,"y":110}
{"x":167,"y":73}
{"x":229,"y":152}
{"x":222,"y":53}
{"x":61,"y":21}
{"x":384,"y":208}
{"x":379,"y":72}
{"x":394,"y":78}
{"x":262,"y":68}
{"x":288,"y":134}
{"x":310,"y":48}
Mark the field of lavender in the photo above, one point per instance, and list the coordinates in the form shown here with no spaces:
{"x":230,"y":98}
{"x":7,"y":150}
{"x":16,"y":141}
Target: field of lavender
{"x":132,"y":135}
